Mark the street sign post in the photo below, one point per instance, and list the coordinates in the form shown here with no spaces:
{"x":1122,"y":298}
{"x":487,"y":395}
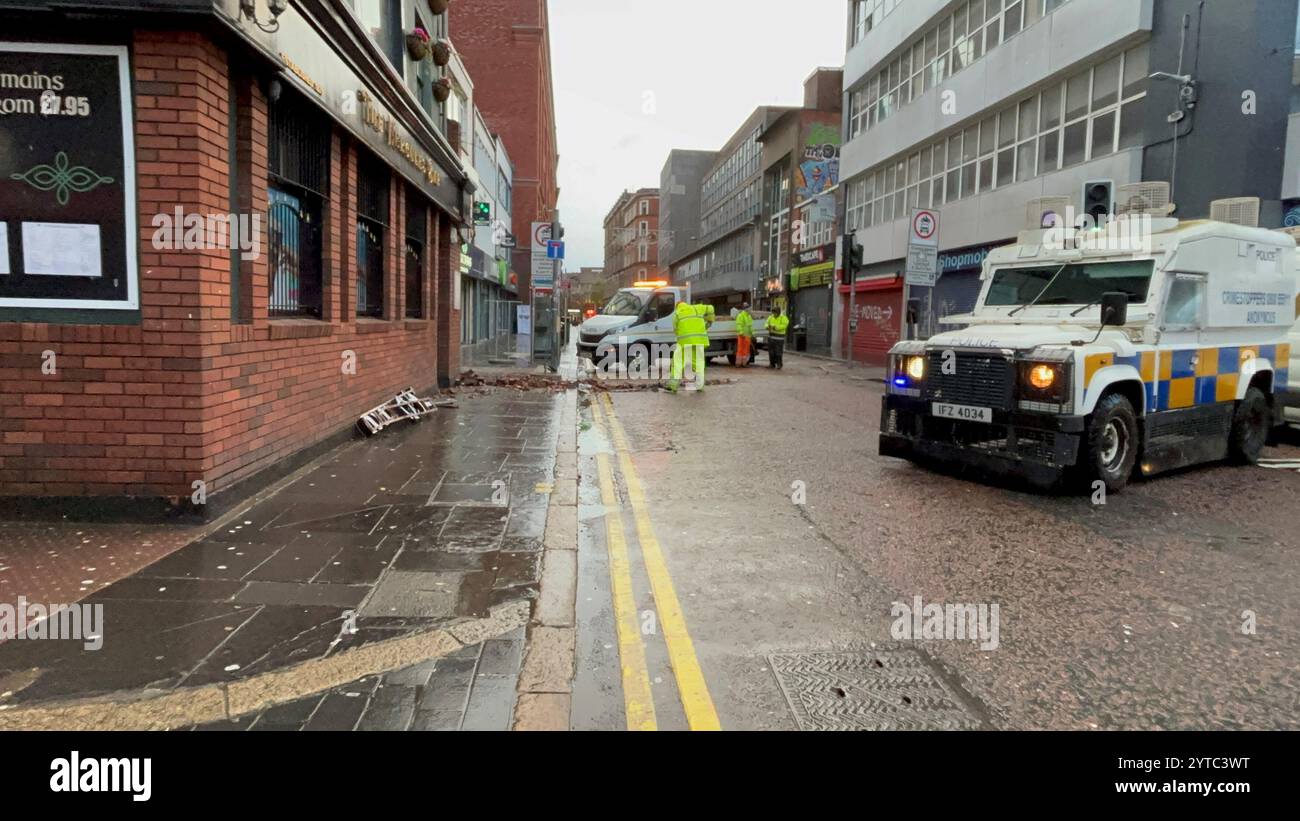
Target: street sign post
{"x":543,"y":265}
{"x":922,"y":256}
{"x":923,"y":248}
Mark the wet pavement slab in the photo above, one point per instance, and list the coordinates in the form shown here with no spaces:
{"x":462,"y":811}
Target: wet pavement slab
{"x":422,"y":526}
{"x":471,"y":689}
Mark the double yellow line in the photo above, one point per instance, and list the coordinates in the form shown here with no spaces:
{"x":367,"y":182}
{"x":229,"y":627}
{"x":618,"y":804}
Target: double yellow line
{"x":637,"y":698}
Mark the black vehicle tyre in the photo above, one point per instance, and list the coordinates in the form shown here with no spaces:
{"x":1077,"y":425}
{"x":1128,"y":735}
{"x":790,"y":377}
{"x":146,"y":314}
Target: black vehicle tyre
{"x":1112,"y":443}
{"x":1251,"y":423}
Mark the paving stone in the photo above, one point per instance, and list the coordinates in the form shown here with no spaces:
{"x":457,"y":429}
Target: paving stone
{"x":358,"y":565}
{"x":210,"y":560}
{"x":559,"y":589}
{"x":390,"y":708}
{"x":542,"y":712}
{"x":289,"y":716}
{"x":500,"y":657}
{"x":417,"y":675}
{"x":429,"y":595}
{"x":334,"y":595}
{"x":566,"y":492}
{"x":437,"y":720}
{"x":517,"y":569}
{"x":491,"y":704}
{"x":337,"y":712}
{"x":562,"y":528}
{"x":548,"y":661}
{"x":140,"y":588}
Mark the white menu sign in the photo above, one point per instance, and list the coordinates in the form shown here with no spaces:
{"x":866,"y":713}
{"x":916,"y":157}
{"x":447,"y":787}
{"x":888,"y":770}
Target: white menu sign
{"x":62,"y":249}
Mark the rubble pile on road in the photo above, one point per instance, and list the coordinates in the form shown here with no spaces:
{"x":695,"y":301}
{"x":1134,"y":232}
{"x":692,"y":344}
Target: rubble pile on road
{"x":470,"y":380}
{"x":515,"y":381}
{"x":631,"y":385}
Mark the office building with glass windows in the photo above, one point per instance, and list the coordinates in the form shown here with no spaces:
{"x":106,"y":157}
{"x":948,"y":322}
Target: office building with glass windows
{"x":974,"y":108}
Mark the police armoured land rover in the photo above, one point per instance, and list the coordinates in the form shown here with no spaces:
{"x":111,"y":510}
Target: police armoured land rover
{"x":1107,"y":352}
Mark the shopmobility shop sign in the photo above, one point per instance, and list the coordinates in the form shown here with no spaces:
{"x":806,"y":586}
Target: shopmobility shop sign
{"x":67,"y":178}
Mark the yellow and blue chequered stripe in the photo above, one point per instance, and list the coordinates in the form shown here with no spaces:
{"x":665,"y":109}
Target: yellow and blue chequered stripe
{"x":1189,"y":377}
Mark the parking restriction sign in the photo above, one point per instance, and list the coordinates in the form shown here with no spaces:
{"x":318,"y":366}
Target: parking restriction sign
{"x":923,"y":248}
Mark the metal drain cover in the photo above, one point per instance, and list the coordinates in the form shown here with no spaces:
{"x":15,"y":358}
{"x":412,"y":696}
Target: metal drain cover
{"x":887,"y":689}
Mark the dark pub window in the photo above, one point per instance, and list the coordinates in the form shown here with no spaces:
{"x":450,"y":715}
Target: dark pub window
{"x":298,"y":155}
{"x":372,"y":225}
{"x":417,"y":228}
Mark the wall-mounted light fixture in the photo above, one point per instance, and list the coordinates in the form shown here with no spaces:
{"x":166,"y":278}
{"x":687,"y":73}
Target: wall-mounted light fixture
{"x":248,"y":8}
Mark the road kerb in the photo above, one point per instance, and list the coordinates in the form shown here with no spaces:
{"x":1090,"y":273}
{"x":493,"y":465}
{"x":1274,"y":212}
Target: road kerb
{"x":546,"y":676}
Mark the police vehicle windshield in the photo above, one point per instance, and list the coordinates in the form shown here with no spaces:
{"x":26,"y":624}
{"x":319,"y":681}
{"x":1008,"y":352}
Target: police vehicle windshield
{"x":1073,"y":284}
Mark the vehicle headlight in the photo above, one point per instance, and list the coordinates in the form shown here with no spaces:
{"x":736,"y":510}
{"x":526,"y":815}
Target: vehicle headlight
{"x":915,"y":366}
{"x":1042,"y":377}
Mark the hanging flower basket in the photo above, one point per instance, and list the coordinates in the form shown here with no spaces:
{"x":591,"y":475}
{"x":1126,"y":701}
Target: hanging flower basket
{"x":439,"y":6}
{"x":441,"y":51}
{"x":417,"y":44}
{"x":442,"y":90}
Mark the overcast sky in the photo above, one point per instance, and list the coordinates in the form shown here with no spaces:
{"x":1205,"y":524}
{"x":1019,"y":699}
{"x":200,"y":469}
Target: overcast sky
{"x":636,"y":78}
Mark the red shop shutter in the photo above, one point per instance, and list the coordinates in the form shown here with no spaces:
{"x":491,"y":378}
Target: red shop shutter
{"x":879,"y":322}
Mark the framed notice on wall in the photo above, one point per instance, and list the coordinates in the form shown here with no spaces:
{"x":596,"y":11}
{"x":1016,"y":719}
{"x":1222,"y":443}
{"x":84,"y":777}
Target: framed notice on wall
{"x":68,"y":235}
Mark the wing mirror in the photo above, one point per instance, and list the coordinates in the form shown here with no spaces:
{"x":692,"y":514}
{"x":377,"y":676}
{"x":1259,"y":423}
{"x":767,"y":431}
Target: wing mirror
{"x":1114,"y":308}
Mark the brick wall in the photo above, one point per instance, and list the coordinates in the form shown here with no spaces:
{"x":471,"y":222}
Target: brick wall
{"x":189,"y":395}
{"x":505,"y":47}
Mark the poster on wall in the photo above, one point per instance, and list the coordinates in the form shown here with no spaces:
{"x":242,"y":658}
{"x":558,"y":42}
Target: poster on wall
{"x":819,"y":168}
{"x":67,"y":178}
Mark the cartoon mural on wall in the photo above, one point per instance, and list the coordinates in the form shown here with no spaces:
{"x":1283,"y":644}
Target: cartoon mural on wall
{"x":820,"y":169}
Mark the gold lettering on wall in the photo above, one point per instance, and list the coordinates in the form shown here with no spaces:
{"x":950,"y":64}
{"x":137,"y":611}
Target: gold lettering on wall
{"x":298,"y":72}
{"x":386,"y":126}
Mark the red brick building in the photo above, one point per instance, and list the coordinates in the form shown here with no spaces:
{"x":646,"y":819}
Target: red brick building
{"x":632,"y":239}
{"x":141,"y":370}
{"x":506,"y":47}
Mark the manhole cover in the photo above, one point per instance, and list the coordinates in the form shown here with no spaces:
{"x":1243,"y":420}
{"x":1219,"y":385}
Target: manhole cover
{"x":888,"y":689}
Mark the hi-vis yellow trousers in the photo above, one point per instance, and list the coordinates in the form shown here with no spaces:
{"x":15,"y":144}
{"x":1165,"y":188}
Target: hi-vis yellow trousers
{"x":680,"y":354}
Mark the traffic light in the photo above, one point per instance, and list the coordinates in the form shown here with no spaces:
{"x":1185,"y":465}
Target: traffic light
{"x":1098,"y":201}
{"x":482,"y":213}
{"x":852,"y":260}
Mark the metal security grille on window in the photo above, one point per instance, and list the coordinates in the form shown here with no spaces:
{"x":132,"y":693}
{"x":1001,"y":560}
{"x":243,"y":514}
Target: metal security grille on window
{"x":294,"y":245}
{"x":298,"y":148}
{"x":372,"y":222}
{"x":417,"y":216}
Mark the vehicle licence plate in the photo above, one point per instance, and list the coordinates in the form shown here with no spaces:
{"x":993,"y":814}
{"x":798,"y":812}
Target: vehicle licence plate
{"x":963,"y":412}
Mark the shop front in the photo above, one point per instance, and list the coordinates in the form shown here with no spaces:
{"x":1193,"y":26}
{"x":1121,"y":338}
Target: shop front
{"x":873,"y":315}
{"x":956,"y":290}
{"x":812,"y":277}
{"x":229,"y":242}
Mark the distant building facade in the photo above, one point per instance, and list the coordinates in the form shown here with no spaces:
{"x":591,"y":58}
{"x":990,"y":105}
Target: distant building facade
{"x":632,"y":238}
{"x":680,"y":182}
{"x":506,"y":47}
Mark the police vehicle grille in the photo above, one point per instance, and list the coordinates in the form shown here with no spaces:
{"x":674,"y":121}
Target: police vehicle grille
{"x":982,"y":380}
